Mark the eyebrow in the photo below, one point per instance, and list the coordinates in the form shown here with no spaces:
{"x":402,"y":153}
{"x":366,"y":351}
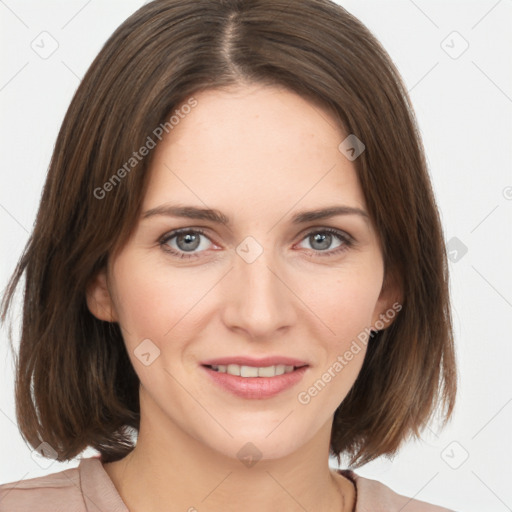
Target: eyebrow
{"x":192,"y":212}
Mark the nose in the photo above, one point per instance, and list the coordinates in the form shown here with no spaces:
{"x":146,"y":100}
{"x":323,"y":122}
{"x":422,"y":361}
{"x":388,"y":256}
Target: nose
{"x":259,"y":300}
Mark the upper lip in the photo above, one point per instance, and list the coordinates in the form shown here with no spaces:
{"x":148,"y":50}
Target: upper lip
{"x":258,"y":362}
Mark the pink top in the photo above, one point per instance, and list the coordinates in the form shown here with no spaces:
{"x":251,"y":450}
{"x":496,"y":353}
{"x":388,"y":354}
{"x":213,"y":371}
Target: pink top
{"x":88,"y":488}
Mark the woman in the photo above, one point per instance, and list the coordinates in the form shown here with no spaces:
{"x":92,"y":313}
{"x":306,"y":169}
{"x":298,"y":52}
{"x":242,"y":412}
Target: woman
{"x":237,"y":257}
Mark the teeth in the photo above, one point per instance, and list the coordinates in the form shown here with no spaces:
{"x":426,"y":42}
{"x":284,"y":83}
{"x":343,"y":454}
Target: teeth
{"x":252,"y":371}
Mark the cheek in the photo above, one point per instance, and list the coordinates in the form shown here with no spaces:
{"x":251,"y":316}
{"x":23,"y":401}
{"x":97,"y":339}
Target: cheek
{"x":166,"y":306}
{"x":346,"y":304}
{"x":353,"y":311}
{"x":147,"y":301}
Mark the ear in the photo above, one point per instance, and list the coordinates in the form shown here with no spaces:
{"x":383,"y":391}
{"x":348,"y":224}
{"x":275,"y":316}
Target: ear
{"x":99,"y":300}
{"x":389,"y":302}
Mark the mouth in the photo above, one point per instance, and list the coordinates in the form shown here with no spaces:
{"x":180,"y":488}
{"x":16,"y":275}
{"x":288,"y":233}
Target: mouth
{"x":255,"y":382}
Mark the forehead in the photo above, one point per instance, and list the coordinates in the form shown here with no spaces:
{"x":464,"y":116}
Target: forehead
{"x":253,"y":149}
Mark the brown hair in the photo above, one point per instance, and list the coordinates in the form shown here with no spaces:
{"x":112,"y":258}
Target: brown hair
{"x":85,"y":390}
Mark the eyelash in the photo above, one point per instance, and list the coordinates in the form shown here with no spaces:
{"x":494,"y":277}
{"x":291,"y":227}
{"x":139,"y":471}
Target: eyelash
{"x":346,"y":239}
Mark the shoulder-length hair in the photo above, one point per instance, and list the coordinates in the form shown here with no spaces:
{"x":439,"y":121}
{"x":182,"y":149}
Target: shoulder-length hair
{"x":75,"y":386}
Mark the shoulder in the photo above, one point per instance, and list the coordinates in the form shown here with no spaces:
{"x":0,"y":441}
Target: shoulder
{"x":374,"y":496}
{"x":56,"y":492}
{"x":86,"y":488}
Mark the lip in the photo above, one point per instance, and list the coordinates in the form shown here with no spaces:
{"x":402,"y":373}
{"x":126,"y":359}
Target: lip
{"x":252,"y":361}
{"x":256,"y":387}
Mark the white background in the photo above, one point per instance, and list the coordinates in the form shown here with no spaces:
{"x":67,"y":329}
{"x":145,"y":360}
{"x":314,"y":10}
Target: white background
{"x":464,"y":109}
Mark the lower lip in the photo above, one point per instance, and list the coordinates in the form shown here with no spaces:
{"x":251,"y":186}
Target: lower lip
{"x":256,"y":387}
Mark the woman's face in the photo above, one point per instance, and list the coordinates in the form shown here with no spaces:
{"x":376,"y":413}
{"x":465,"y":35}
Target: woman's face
{"x":261,"y":285}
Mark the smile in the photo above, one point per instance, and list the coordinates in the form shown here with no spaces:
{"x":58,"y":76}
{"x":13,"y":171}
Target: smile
{"x":253,"y":371}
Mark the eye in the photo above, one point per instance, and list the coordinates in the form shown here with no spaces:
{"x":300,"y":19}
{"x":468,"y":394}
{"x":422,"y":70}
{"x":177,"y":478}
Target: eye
{"x":186,"y":241}
{"x":321,"y":240}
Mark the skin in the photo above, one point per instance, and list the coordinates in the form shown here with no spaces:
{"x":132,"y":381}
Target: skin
{"x":259,"y":154}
